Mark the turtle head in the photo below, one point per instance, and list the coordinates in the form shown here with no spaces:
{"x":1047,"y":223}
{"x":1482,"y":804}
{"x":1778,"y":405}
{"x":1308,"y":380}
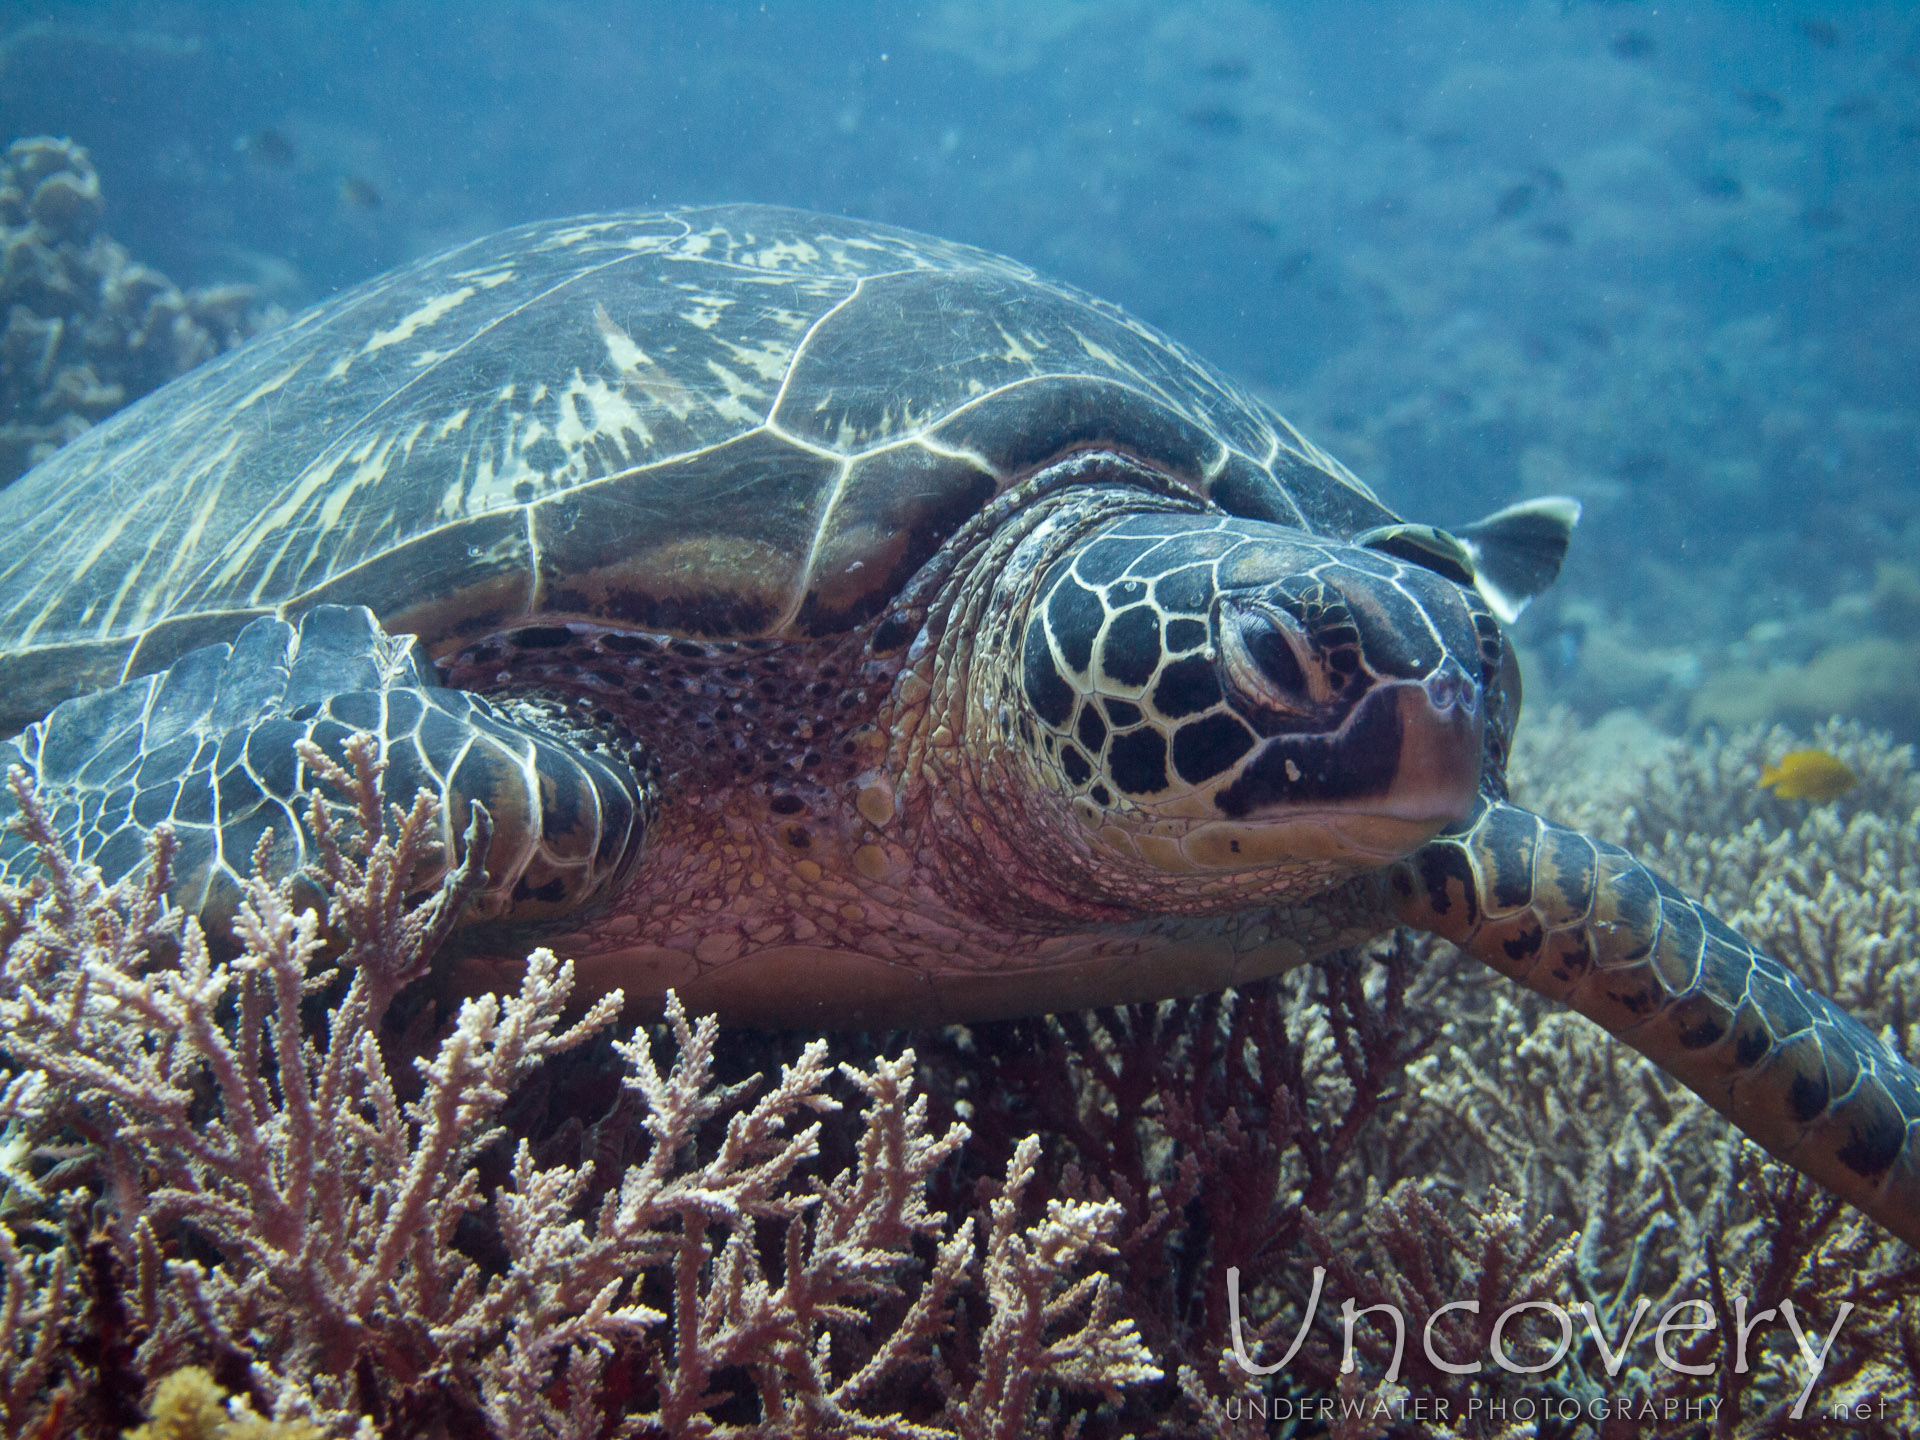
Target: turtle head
{"x":1220,"y":695}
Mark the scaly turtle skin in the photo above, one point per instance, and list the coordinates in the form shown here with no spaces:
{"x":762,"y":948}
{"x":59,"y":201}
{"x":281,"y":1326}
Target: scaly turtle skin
{"x":844,"y":626}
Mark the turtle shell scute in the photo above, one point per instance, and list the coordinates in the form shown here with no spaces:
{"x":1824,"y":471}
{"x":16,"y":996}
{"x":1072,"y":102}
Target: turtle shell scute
{"x":732,"y":423}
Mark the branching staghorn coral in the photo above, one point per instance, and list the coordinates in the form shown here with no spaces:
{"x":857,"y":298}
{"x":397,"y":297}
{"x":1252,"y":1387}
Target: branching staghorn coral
{"x":37,"y":1297}
{"x":279,"y":1203}
{"x":1666,"y":1202}
{"x":1221,"y":1126}
{"x":1011,"y":1229}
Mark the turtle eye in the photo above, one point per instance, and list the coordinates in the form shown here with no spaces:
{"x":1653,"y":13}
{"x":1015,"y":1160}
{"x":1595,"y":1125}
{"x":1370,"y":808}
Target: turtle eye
{"x":1265,"y":657}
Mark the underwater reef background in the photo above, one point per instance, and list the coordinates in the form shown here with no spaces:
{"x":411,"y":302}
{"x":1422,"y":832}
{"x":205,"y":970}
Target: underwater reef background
{"x":1662,"y":259}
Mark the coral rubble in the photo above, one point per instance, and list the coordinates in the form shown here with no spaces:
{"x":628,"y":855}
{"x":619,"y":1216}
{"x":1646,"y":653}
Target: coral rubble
{"x":86,"y":329}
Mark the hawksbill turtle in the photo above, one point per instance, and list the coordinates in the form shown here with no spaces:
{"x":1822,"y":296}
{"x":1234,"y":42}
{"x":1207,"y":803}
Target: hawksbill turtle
{"x":845,"y":626}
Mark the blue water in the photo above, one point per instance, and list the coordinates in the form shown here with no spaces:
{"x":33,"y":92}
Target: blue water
{"x":1661,"y":257}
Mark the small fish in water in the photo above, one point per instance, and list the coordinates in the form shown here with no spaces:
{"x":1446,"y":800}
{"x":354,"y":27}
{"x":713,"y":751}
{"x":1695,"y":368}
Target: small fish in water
{"x":359,"y":193}
{"x":1514,"y":201}
{"x":1564,"y":651}
{"x":1763,"y":102}
{"x":1632,"y":45}
{"x":1808,"y":775}
{"x":269,"y":147}
{"x":1292,"y":266}
{"x":1215,"y":120}
{"x":1821,"y":32}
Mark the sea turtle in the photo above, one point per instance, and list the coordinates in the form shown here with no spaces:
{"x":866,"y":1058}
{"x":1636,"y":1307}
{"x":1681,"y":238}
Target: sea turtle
{"x":846,"y":626}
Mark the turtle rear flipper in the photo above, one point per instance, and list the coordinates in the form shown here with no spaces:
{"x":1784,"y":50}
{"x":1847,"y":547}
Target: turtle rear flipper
{"x":209,"y":746}
{"x":1586,"y":924}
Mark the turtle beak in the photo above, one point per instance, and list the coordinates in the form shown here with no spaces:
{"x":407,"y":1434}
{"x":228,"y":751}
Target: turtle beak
{"x":1401,"y":767}
{"x":1436,"y":780}
{"x":1442,"y":728}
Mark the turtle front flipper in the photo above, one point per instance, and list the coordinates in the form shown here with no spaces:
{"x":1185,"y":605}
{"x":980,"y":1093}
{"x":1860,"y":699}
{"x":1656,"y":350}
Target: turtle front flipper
{"x":1586,"y":924}
{"x":209,"y":747}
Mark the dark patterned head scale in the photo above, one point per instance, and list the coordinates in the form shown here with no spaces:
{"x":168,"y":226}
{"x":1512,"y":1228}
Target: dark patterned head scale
{"x":1205,"y":685}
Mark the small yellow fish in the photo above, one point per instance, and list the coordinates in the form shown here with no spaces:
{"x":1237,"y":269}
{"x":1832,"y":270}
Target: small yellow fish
{"x":1808,"y":775}
{"x":359,"y":193}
